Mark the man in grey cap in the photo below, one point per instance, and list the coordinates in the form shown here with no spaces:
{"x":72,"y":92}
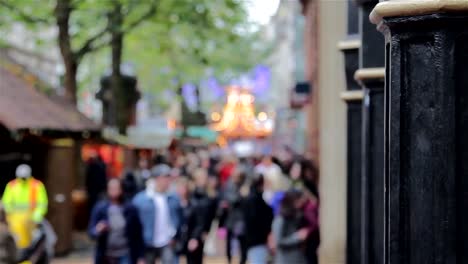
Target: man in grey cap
{"x":159,"y":215}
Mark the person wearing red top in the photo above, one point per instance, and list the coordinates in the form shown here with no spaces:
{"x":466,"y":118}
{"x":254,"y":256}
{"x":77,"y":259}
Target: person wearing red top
{"x":227,"y":167}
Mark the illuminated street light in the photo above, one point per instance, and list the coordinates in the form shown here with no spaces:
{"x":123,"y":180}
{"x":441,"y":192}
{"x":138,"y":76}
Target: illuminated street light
{"x":215,"y":116}
{"x":262,"y":116}
{"x":238,"y":119}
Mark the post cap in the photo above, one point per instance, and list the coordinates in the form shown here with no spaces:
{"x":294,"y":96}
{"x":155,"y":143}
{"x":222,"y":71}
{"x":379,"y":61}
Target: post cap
{"x":402,"y":8}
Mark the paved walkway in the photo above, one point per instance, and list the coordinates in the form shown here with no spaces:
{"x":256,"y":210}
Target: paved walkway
{"x":209,"y":260}
{"x":83,"y":252}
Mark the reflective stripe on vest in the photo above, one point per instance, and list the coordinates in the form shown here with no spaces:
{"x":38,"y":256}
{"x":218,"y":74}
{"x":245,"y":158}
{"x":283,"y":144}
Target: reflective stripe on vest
{"x":33,"y":187}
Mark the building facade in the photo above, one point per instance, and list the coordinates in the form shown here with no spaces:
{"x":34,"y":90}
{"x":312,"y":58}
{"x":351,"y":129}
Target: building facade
{"x":325,"y":24}
{"x":391,"y":152}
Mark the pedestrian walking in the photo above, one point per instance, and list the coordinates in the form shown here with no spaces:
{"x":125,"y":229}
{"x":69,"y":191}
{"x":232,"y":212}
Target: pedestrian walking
{"x":8,"y":250}
{"x":142,"y":174}
{"x":258,"y":219}
{"x":159,"y":212}
{"x":96,"y":179}
{"x":25,"y":202}
{"x":290,"y":232}
{"x":130,"y":185}
{"x":189,"y":237}
{"x":275,"y":181}
{"x":226,"y":168}
{"x":308,"y":204}
{"x":116,"y":227}
{"x":213,"y":194}
{"x":235,"y":222}
{"x":310,"y":176}
{"x":205,"y":197}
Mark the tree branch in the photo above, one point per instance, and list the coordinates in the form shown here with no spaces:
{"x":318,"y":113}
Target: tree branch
{"x":131,"y":7}
{"x":90,"y":45}
{"x":97,"y":47}
{"x":148,"y":14}
{"x":28,"y":18}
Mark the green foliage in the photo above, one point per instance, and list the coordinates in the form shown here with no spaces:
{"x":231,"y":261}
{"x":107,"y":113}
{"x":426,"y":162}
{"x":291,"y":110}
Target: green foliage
{"x":32,"y":13}
{"x":185,"y":40}
{"x":189,"y":40}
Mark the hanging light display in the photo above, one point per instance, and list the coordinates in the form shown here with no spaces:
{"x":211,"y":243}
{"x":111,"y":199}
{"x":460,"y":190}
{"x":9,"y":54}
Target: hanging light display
{"x":238,"y":119}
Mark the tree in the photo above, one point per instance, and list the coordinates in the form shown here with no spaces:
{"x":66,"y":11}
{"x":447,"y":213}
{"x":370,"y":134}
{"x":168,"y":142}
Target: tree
{"x":170,"y":17}
{"x":211,"y":39}
{"x":79,"y":32}
{"x":174,"y":39}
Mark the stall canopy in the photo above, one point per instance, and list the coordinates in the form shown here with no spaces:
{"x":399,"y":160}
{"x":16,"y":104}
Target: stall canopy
{"x":199,"y":132}
{"x":23,"y":107}
{"x":140,"y":137}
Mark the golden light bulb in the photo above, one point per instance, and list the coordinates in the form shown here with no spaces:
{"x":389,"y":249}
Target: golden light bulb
{"x":262,"y":116}
{"x":215,"y":116}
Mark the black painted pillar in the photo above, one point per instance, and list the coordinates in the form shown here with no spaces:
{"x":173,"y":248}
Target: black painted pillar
{"x":371,"y":77}
{"x":372,"y":80}
{"x":353,"y":98}
{"x":426,"y":155}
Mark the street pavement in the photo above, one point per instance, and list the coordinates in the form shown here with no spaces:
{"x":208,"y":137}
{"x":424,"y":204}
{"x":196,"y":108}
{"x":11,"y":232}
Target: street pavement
{"x":83,"y":249}
{"x":209,"y":260}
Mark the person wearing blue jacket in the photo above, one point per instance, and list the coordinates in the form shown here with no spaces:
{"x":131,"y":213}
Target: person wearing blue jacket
{"x":160,"y":214}
{"x":116,"y":227}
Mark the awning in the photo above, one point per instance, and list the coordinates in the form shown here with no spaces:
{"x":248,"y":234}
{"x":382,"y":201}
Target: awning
{"x":200,"y":132}
{"x":140,"y":137}
{"x":23,"y":107}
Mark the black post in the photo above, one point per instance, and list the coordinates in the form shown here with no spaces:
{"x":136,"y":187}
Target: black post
{"x":371,"y":77}
{"x":426,"y":155}
{"x":353,"y":98}
{"x":372,"y":80}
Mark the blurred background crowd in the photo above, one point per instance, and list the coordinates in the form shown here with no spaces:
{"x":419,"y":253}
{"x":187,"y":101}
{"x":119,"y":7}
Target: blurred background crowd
{"x":218,"y":112}
{"x":187,"y":201}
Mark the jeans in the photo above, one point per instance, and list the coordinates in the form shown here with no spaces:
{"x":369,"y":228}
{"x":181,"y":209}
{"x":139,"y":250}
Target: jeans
{"x":165,"y":255}
{"x":258,"y":255}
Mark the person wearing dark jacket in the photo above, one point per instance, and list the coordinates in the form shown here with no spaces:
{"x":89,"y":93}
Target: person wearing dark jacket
{"x":258,"y":219}
{"x":130,"y":185}
{"x":235,"y":221}
{"x":213,"y":194}
{"x":290,"y":230}
{"x":309,"y":174}
{"x":96,"y":180}
{"x":116,"y":227}
{"x":189,"y":236}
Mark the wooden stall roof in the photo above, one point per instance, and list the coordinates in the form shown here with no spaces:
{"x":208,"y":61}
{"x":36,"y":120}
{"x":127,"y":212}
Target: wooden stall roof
{"x":24,"y":107}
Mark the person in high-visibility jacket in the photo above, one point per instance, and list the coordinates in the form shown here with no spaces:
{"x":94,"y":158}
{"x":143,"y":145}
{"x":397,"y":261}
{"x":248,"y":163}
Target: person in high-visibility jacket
{"x":25,"y":202}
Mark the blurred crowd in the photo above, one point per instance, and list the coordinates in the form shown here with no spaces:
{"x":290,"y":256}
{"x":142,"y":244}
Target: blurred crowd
{"x":179,"y":205}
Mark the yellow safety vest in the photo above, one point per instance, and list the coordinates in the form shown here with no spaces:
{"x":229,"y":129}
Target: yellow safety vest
{"x":25,"y":202}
